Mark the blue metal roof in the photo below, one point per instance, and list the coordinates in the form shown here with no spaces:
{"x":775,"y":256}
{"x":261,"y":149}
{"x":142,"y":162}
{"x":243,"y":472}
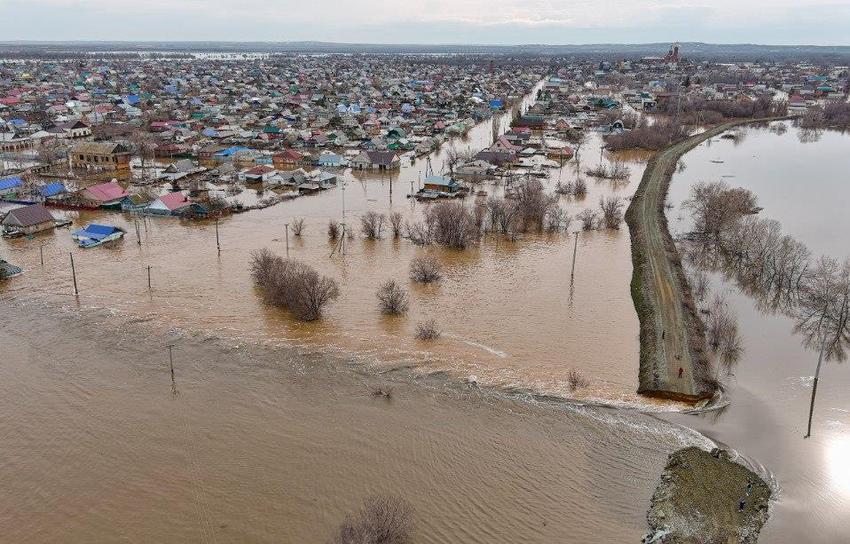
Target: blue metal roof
{"x":231,"y":150}
{"x":53,"y":189}
{"x":10,"y":183}
{"x":96,"y":232}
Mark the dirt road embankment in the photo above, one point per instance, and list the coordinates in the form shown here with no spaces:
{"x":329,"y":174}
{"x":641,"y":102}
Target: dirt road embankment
{"x":673,"y":360}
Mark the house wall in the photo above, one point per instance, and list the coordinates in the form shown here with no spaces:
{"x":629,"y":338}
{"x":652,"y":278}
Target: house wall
{"x":32,"y":229}
{"x":111,"y":161}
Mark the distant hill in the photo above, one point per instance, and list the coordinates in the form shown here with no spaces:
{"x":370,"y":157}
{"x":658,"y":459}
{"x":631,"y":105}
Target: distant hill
{"x":694,"y":50}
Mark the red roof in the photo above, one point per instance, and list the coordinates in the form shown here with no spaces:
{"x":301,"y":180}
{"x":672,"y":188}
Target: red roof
{"x":107,"y":192}
{"x":174,"y":201}
{"x":259,"y":170}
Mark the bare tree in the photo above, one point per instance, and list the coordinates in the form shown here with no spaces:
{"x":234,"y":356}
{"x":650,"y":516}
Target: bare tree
{"x":427,"y":330}
{"x":425,"y":269}
{"x":660,"y":134}
{"x":392,"y":299}
{"x":420,"y":233}
{"x":533,"y":205}
{"x":502,"y":215}
{"x":456,"y":157}
{"x":372,"y":225}
{"x":616,"y":171}
{"x":716,"y":207}
{"x":587,"y":218}
{"x":446,"y":223}
{"x":297,"y":226}
{"x":145,"y":144}
{"x":396,"y":223}
{"x":292,"y":285}
{"x":382,"y":520}
{"x":576,"y":380}
{"x":557,"y":219}
{"x":579,"y":188}
{"x":333,"y":229}
{"x":612,"y":211}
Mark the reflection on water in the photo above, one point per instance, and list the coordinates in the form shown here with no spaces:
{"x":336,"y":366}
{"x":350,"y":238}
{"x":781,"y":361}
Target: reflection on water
{"x":837,"y":455}
{"x":799,"y":185}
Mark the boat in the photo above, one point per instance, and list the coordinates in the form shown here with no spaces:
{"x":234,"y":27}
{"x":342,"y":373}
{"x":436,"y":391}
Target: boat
{"x":8,"y":270}
{"x":93,"y":235}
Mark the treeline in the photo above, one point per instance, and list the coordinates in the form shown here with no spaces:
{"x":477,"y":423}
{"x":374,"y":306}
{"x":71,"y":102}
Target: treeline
{"x":833,"y":114}
{"x":653,"y":137}
{"x":774,"y":268}
{"x":698,"y":110}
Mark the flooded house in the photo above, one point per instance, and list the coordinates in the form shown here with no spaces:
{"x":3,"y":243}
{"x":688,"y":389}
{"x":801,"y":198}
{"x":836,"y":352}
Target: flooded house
{"x":376,"y":160}
{"x":100,"y":156}
{"x":27,"y":220}
{"x":175,"y":204}
{"x":287,"y":157}
{"x":10,"y":186}
{"x":441,"y":184}
{"x":103,"y":195}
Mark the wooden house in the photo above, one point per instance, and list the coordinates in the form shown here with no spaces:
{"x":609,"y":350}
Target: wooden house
{"x":28,"y":220}
{"x":102,"y":156}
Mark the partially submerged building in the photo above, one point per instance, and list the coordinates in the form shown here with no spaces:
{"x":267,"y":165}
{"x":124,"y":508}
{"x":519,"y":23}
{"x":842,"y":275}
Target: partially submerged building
{"x":27,"y":220}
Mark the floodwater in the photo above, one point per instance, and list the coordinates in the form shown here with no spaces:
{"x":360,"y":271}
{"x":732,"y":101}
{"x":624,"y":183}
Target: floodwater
{"x":511,"y":315}
{"x":272,"y":434}
{"x":801,"y":181}
{"x":267,"y":444}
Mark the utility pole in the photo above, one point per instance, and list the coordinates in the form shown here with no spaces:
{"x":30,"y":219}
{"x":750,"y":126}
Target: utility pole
{"x":138,"y":235}
{"x":217,"y":241}
{"x":41,"y":253}
{"x":74,"y":275}
{"x":149,"y":277}
{"x":842,"y":315}
{"x":342,"y":241}
{"x":575,"y":248}
{"x":171,"y":364}
{"x":815,"y":389}
{"x":287,"y":240}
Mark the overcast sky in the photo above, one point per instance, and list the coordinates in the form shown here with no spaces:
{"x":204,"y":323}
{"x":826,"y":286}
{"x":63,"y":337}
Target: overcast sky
{"x":815,"y":22}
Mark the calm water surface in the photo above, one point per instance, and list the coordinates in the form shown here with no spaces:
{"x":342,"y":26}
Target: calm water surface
{"x":803,"y":183}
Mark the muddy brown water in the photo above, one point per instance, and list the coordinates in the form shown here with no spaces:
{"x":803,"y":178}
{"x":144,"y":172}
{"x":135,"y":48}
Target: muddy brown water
{"x":268,"y":444}
{"x":800,"y":181}
{"x":511,"y":314}
{"x":274,"y":434}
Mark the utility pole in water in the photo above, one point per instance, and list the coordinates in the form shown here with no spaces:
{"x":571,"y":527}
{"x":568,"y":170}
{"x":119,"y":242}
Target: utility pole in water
{"x":74,"y":275}
{"x":575,"y":248}
{"x":41,"y":253}
{"x":815,"y":389}
{"x":217,"y":241}
{"x":287,"y":240}
{"x":171,"y":367}
{"x":138,"y":235}
{"x":149,"y":277}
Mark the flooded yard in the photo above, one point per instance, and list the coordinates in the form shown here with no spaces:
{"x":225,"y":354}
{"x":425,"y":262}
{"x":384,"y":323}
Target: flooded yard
{"x":512,"y":315}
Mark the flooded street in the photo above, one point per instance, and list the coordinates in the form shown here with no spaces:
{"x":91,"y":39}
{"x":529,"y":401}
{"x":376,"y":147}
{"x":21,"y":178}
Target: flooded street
{"x":510,"y":315}
{"x":274,"y":433}
{"x":803,"y":185}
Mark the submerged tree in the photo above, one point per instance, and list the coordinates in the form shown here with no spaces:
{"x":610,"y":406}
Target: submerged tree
{"x":382,"y":520}
{"x":392,"y":299}
{"x":292,"y":285}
